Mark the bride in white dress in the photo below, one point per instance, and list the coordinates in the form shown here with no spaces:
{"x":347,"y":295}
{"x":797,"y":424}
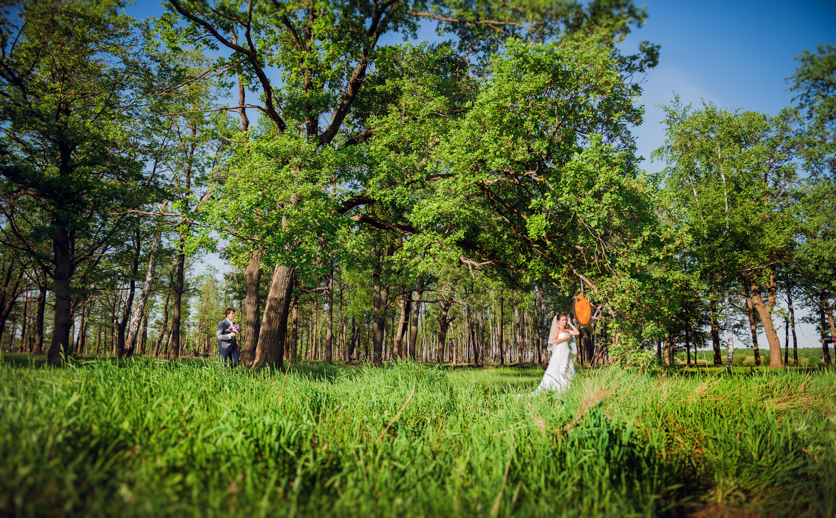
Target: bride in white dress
{"x":561,"y":369}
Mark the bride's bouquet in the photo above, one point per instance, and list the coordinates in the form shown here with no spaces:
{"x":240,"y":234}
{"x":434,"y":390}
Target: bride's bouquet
{"x":234,"y":329}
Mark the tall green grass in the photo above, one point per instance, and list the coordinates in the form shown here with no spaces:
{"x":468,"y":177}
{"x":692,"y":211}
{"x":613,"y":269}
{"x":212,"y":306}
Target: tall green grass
{"x":156,"y":438}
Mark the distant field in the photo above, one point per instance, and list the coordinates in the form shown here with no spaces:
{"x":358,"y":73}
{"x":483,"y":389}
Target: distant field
{"x":156,"y":438}
{"x":807,"y":357}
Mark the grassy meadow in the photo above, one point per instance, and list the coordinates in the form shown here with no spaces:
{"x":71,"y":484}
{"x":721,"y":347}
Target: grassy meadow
{"x":157,"y":438}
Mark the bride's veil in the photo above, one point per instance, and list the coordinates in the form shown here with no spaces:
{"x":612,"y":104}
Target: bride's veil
{"x":549,"y":344}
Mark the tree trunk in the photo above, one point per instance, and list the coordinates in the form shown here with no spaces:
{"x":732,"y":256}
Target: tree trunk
{"x":270,"y":349}
{"x":329,"y":331}
{"x":786,"y":341}
{"x":294,"y":332}
{"x":38,"y":347}
{"x":753,"y":328}
{"x":139,"y":310}
{"x":82,"y":327}
{"x":443,"y":326}
{"x":380,"y":299}
{"x":822,"y":312}
{"x":405,"y":304}
{"x":715,"y":334}
{"x":828,"y":308}
{"x":62,"y":246}
{"x":688,"y":342}
{"x":126,"y":313}
{"x":353,"y":340}
{"x":252,"y":295}
{"x":144,"y":340}
{"x":164,"y":327}
{"x":413,"y":326}
{"x":9,"y":298}
{"x":792,"y":323}
{"x":765,"y":315}
{"x":176,"y":307}
{"x":501,"y":330}
{"x":23,"y":331}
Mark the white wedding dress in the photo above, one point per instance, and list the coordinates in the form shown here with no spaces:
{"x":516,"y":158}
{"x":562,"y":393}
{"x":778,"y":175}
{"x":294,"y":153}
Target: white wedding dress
{"x":561,"y":369}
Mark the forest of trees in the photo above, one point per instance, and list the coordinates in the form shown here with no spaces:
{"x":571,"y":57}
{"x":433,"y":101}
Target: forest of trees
{"x":381,"y":198}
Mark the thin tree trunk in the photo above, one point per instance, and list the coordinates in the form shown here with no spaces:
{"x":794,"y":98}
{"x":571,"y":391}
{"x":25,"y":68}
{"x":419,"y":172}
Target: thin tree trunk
{"x":329,"y":331}
{"x":715,"y":334}
{"x":501,"y":330}
{"x":25,"y":321}
{"x":9,"y":298}
{"x":413,"y":326}
{"x":164,"y":328}
{"x":792,"y":323}
{"x":753,"y":328}
{"x":126,"y":313}
{"x":139,"y":310}
{"x":829,"y":312}
{"x":176,"y":307}
{"x":294,"y":333}
{"x":144,"y":340}
{"x":443,"y":326}
{"x":786,"y":341}
{"x":39,"y":321}
{"x":403,"y":327}
{"x":82,"y":327}
{"x":822,"y":311}
{"x":688,"y":342}
{"x":729,"y":337}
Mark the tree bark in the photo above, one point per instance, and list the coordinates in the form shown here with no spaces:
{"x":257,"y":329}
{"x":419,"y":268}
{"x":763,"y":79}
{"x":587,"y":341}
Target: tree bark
{"x":792,"y":323}
{"x":729,"y":339}
{"x":715,"y":334}
{"x":828,"y":308}
{"x":329,"y":331}
{"x":765,"y":314}
{"x":443,"y":326}
{"x":687,"y":342}
{"x":9,"y":298}
{"x":413,"y":326}
{"x":270,"y":349}
{"x":294,"y":333}
{"x":82,"y":327}
{"x":139,"y":310}
{"x":164,"y":327}
{"x":405,"y":304}
{"x":252,"y":296}
{"x":822,"y":311}
{"x":380,"y":300}
{"x":126,"y":313}
{"x":62,"y":246}
{"x":501,"y":330}
{"x":753,"y":328}
{"x":144,"y":340}
{"x":176,"y":307}
{"x":38,"y":346}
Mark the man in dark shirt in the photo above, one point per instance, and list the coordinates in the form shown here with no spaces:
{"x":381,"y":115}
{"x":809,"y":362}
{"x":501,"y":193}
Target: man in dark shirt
{"x":226,"y":339}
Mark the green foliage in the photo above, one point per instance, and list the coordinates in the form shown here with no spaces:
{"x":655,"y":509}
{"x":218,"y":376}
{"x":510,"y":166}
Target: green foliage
{"x":727,"y":175}
{"x":157,"y":438}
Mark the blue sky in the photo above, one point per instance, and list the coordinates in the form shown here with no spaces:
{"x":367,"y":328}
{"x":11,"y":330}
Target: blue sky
{"x":737,"y":54}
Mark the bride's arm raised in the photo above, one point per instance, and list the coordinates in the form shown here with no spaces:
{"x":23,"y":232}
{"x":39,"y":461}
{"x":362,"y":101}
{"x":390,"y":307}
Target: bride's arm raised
{"x":574,"y":331}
